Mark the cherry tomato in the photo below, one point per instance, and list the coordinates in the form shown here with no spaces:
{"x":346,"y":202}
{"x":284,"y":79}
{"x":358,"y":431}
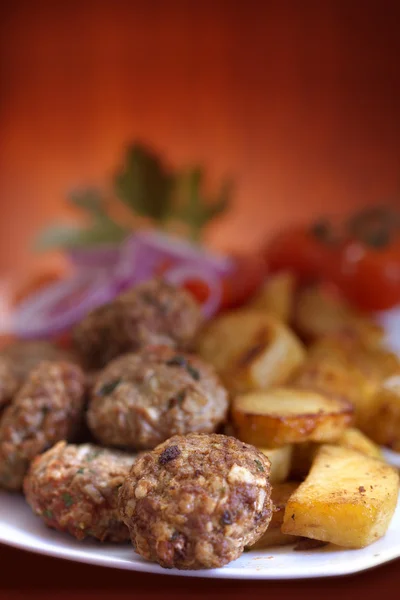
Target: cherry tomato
{"x":247,"y":277}
{"x":306,"y":251}
{"x":369,"y":276}
{"x":248,"y":274}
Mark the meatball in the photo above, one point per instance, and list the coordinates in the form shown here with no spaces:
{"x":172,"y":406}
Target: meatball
{"x":142,"y":399}
{"x":152,"y":313}
{"x":18,"y":359}
{"x":196,"y":501}
{"x":9,"y":382}
{"x":47,"y":408}
{"x":75,"y":489}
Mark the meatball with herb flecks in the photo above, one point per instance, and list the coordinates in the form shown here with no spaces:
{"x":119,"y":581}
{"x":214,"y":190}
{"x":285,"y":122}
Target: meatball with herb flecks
{"x":48,"y":408}
{"x":153,"y":312}
{"x":75,"y":489}
{"x":196,"y":501}
{"x":142,"y":399}
{"x":18,"y":359}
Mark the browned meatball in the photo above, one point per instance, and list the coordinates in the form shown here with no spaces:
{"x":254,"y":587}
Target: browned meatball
{"x":18,"y":359}
{"x":152,"y":313}
{"x":142,"y":399}
{"x":196,"y":501}
{"x":47,"y":408}
{"x":9,"y":382}
{"x":75,"y":489}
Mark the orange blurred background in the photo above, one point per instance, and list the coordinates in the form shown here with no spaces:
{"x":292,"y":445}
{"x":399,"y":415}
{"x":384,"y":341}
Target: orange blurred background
{"x":298,"y":100}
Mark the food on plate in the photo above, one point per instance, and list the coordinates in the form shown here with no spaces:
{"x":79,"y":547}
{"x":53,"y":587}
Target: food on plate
{"x":347,"y":499}
{"x":141,"y":399}
{"x":356,"y":440}
{"x":250,"y":350}
{"x":196,"y":501}
{"x":384,"y":424}
{"x":319,"y":312}
{"x":273,"y":536}
{"x":151,"y":313}
{"x":276,"y":296}
{"x":47,"y":408}
{"x":360,"y":256}
{"x":27,"y":354}
{"x":335,"y":377}
{"x":18,"y":359}
{"x":9,"y":382}
{"x":75,"y":489}
{"x":281,"y":460}
{"x":352,"y":369}
{"x":304,"y":454}
{"x":282,"y":416}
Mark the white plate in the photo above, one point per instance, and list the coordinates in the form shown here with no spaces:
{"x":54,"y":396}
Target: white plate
{"x":20,"y":528}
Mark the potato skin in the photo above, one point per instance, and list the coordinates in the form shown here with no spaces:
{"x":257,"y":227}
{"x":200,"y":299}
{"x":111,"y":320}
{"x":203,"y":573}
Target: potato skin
{"x":250,"y":350}
{"x":272,"y":429}
{"x":347,"y":499}
{"x":196,"y":501}
{"x":276,"y":296}
{"x":48,"y":408}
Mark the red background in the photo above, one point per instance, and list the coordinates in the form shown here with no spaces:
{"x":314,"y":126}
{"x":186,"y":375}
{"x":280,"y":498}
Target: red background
{"x":298,"y":100}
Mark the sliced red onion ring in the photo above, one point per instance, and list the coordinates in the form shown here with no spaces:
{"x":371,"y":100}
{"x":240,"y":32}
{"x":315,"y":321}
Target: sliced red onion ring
{"x":184,"y":273}
{"x":103,"y":256}
{"x":147,"y":251}
{"x":54,"y":309}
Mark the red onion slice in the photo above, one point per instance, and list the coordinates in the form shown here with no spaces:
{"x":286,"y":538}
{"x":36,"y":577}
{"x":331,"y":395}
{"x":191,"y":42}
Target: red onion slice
{"x":185,"y":273}
{"x":145,"y":252}
{"x":104,"y":256}
{"x":54,"y":309}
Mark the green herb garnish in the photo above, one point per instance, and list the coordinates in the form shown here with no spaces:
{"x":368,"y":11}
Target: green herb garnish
{"x":80,"y":471}
{"x":48,"y":513}
{"x":68,"y":500}
{"x":259,"y":465}
{"x":109,"y":387}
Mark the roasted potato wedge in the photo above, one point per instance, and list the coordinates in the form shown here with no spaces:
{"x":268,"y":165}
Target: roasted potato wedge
{"x":336,"y":378}
{"x":384,"y":425}
{"x":352,"y":370}
{"x":280,"y":459}
{"x":250,"y":350}
{"x":304,"y":454}
{"x":276,"y":297}
{"x":280,"y":495}
{"x":348,"y":499}
{"x":354,"y":439}
{"x":282,"y":416}
{"x":319,"y":312}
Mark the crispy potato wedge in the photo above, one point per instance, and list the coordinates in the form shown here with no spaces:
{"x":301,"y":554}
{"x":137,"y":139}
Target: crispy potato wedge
{"x":250,"y":350}
{"x":384,"y":425}
{"x":354,"y":439}
{"x":352,"y":370}
{"x":318,"y":312}
{"x":280,"y":459}
{"x":336,"y":378}
{"x":348,"y":499}
{"x":304,"y":454}
{"x":283,"y":416}
{"x":280,"y":495}
{"x":276,"y":297}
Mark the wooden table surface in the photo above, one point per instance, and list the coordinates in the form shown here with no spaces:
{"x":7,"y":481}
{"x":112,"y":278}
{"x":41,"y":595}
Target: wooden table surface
{"x":26,"y":575}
